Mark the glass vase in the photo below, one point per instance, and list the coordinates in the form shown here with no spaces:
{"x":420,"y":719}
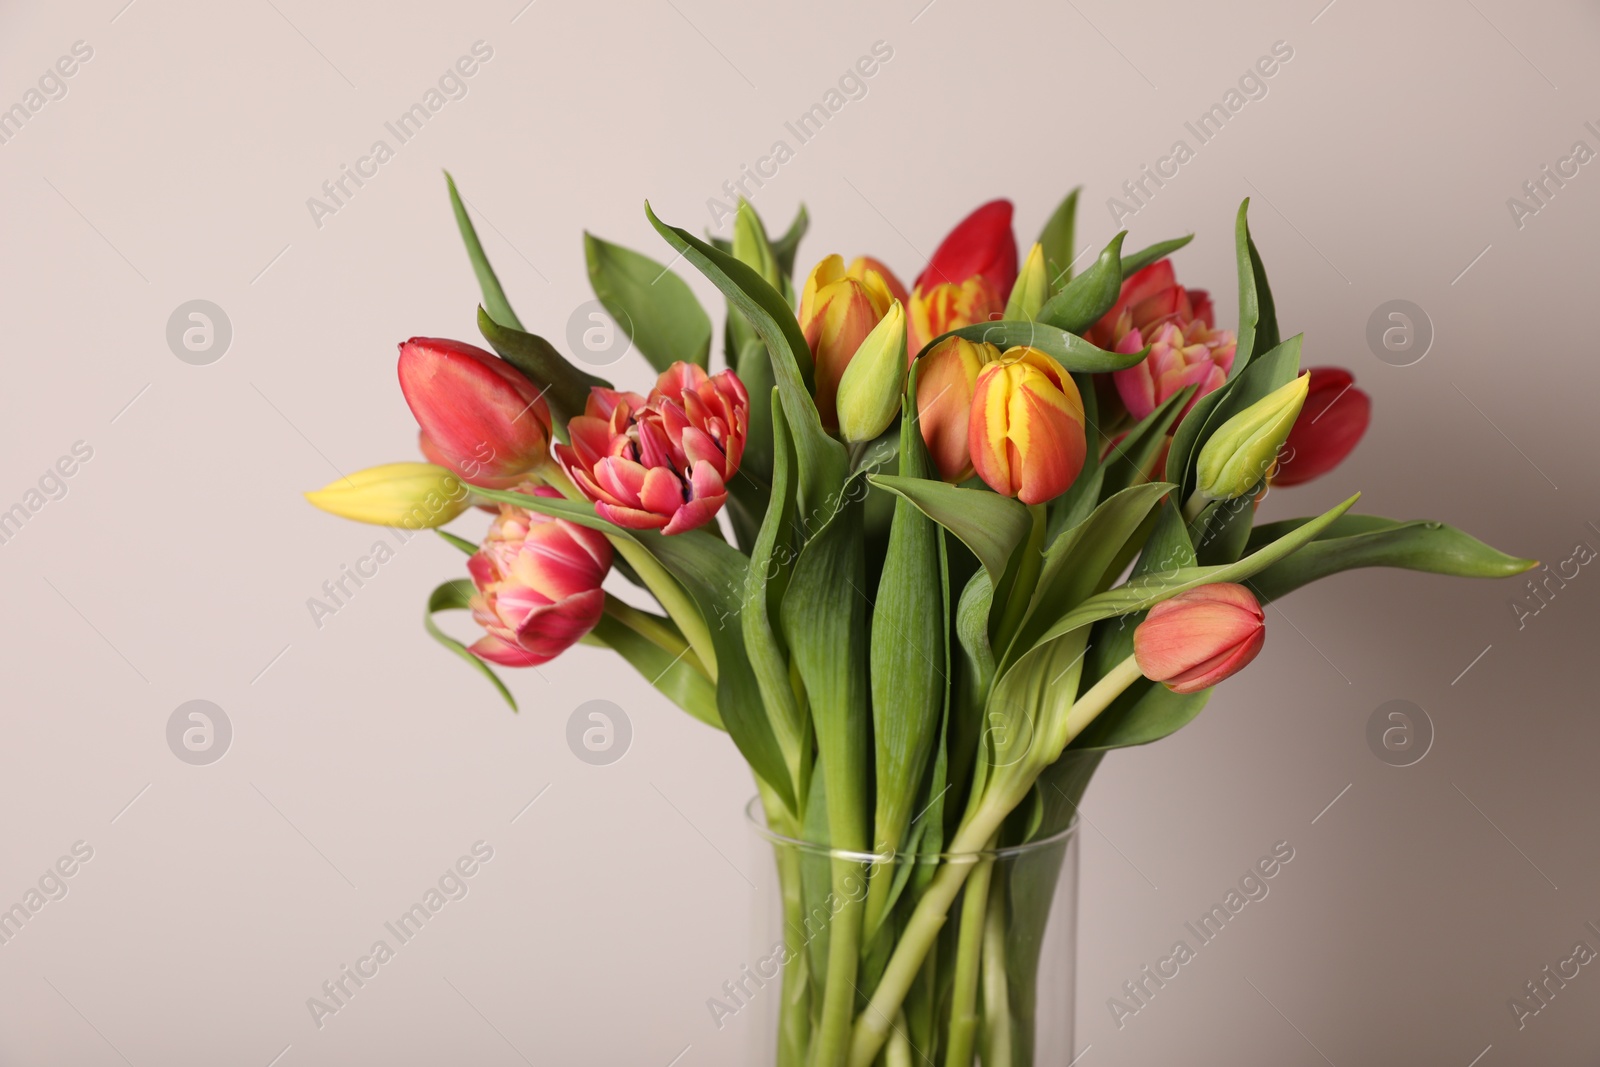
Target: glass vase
{"x":988,"y":978}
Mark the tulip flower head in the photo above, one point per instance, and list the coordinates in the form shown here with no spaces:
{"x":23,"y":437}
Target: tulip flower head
{"x":951,"y":305}
{"x":1331,"y":423}
{"x":1239,"y":456}
{"x":870,"y":391}
{"x":968,"y":278}
{"x":538,"y":585}
{"x":1200,"y":637}
{"x":1025,"y":431}
{"x":412,"y":496}
{"x":947,"y":375}
{"x":1178,"y":324}
{"x":660,"y":462}
{"x":480,"y":416}
{"x":837,"y":312}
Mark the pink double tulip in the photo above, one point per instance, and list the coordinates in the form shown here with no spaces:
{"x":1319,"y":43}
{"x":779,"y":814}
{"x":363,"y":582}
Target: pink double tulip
{"x":968,"y":278}
{"x":1200,"y":637}
{"x":660,"y":462}
{"x":1331,"y":423}
{"x":480,"y":416}
{"x":538,"y":586}
{"x":1179,"y":325}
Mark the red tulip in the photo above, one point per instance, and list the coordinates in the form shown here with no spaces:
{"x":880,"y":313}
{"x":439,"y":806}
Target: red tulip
{"x":981,"y":244}
{"x":1197,"y":638}
{"x":538,"y":582}
{"x":480,"y":416}
{"x":1332,"y":421}
{"x":661,"y":462}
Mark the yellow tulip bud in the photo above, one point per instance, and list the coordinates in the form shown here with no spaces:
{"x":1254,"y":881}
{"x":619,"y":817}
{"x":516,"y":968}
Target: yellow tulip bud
{"x":1239,"y":455}
{"x":413,"y":496}
{"x":874,"y":379}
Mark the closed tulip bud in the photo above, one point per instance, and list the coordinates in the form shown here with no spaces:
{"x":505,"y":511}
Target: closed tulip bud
{"x":750,"y":245}
{"x":949,"y":306}
{"x":861,"y":265}
{"x":1032,"y":288}
{"x":1196,"y":639}
{"x":946,"y":378}
{"x":837,"y":312}
{"x":1330,"y":425}
{"x":869,"y":392}
{"x":482,"y":417}
{"x":1026,"y":429}
{"x":413,"y":496}
{"x":1239,"y":455}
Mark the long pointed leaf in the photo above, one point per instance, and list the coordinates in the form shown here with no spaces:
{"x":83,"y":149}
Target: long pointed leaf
{"x":653,"y":305}
{"x":455,"y":596}
{"x":988,"y":523}
{"x":494,"y":297}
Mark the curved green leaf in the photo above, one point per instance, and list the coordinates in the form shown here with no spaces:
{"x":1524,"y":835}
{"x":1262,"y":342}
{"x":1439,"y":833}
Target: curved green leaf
{"x":1432,"y":547}
{"x":456,"y":596}
{"x":494,"y":297}
{"x":1056,"y":239}
{"x":1090,"y":295}
{"x":785,"y":247}
{"x":988,"y":523}
{"x":1141,"y":259}
{"x":672,"y":676}
{"x":1258,"y":317}
{"x":654,"y":306}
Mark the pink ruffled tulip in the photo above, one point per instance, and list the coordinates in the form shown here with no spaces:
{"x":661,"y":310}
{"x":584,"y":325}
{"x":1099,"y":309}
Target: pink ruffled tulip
{"x":480,"y":416}
{"x":1179,"y":324}
{"x":660,"y":462}
{"x":1197,"y":638}
{"x":538,"y":582}
{"x":1331,"y":423}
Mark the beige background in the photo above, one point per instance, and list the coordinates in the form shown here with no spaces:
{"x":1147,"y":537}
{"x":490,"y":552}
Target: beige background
{"x":365,"y":761}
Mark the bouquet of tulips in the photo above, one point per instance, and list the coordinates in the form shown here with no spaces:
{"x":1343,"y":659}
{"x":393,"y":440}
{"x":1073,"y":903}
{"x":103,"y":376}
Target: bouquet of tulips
{"x":925,"y":555}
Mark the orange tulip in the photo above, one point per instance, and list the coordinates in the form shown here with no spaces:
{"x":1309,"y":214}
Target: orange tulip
{"x":837,"y":312}
{"x":946,"y":378}
{"x":948,"y":306}
{"x":1026,"y":428}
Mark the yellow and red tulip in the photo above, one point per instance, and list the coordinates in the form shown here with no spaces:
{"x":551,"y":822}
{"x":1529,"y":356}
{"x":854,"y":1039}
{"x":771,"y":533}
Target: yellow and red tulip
{"x":968,"y":278}
{"x":837,"y":312}
{"x":538,"y":586}
{"x":660,"y":462}
{"x":1330,"y":424}
{"x":946,"y":379}
{"x":412,"y":496}
{"x":1026,"y":431}
{"x":480,"y":416}
{"x":1200,"y":637}
{"x":950,"y":306}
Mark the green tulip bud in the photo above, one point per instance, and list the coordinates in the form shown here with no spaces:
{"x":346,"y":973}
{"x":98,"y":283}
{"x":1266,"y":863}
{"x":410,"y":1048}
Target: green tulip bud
{"x":875,"y":378}
{"x":1242,"y":451}
{"x":1032,"y":288}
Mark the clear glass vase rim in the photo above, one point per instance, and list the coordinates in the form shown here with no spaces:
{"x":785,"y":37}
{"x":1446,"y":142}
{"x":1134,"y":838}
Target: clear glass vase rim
{"x":756,"y":816}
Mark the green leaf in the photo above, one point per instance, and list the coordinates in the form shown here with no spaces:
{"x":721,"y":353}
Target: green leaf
{"x":457,"y":596}
{"x":1090,"y":295}
{"x":988,"y":523}
{"x":1258,"y":318}
{"x":460,"y":542}
{"x":566,"y":387}
{"x":1148,"y":590}
{"x":1057,"y":239}
{"x":1129,"y":458}
{"x":1432,"y":547}
{"x":672,"y":676}
{"x":1068,"y":349}
{"x":824,"y":620}
{"x":1141,"y":259}
{"x":821,"y":460}
{"x":1223,"y":529}
{"x":494,"y":298}
{"x":785,"y":247}
{"x":654,"y":306}
{"x":1145,"y":712}
{"x":1271,"y":371}
{"x":909,"y":674}
{"x":765,"y":583}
